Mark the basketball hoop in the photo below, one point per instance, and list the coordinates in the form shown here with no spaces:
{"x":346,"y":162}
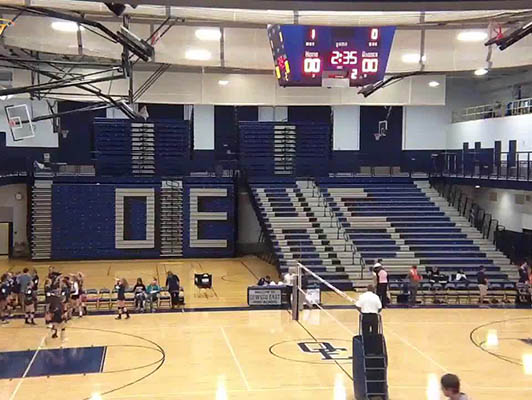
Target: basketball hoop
{"x":15,"y":123}
{"x":378,"y":135}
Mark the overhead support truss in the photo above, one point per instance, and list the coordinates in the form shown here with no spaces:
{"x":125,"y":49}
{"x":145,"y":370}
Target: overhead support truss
{"x":65,"y":73}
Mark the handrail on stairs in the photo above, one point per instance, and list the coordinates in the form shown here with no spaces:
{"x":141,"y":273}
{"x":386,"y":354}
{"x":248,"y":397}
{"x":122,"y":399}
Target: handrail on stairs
{"x":477,"y":217}
{"x":339,"y":228}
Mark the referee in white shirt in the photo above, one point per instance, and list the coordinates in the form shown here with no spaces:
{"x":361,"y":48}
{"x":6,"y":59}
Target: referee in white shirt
{"x":369,"y":305}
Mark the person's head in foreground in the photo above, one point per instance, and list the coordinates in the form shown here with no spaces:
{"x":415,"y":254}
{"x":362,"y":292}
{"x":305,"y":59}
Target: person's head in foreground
{"x":450,"y":386}
{"x":371,"y":288}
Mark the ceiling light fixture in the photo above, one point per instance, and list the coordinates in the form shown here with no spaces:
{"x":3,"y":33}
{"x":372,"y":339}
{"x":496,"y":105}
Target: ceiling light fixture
{"x":198,"y":54}
{"x":412,"y":58}
{"x":208,"y":34}
{"x":481,"y":72}
{"x":66,"y":26}
{"x":472,"y":36}
{"x":434,"y":84}
{"x":223,"y":82}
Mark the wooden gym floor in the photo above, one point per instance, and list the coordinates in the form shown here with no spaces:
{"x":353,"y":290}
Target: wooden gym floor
{"x":257,"y":354}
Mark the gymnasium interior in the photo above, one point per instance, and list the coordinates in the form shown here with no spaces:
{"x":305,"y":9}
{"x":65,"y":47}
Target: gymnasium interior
{"x":279,"y":160}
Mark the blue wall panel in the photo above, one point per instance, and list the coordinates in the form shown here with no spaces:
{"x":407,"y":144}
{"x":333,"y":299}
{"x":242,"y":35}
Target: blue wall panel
{"x":387,"y":150}
{"x":210,"y":229}
{"x":83,"y":225}
{"x":135,"y":218}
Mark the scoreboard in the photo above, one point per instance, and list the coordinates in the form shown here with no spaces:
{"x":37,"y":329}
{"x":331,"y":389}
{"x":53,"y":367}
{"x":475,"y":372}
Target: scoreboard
{"x":303,"y":55}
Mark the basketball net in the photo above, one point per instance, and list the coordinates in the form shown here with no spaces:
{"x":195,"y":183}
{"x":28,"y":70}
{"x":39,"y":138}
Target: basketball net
{"x":378,"y":135}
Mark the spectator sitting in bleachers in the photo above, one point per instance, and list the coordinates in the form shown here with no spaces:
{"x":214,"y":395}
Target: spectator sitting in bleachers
{"x":524,"y":275}
{"x":429,"y":274}
{"x":265,"y":281}
{"x":461,"y":276}
{"x":153,"y":291}
{"x":435,"y":276}
{"x":140,"y":295}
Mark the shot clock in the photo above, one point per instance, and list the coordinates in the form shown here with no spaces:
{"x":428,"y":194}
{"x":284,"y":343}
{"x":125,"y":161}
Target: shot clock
{"x":303,"y":54}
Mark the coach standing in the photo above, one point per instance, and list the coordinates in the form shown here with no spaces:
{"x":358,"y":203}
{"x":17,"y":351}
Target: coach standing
{"x":382,"y":286}
{"x":369,"y":305}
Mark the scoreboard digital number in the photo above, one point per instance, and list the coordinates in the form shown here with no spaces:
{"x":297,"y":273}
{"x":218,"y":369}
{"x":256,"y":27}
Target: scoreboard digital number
{"x":303,"y":54}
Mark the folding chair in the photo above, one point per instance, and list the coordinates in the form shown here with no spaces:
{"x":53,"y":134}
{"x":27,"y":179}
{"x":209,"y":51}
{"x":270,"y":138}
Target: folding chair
{"x":426,"y":288}
{"x":164,"y":297}
{"x":130,"y":298}
{"x":394,"y":290}
{"x":473,"y":293}
{"x":41,"y":301}
{"x":461,"y":291}
{"x":92,"y":298}
{"x":509,"y":290}
{"x":438,"y":293}
{"x":105,"y":297}
{"x":451,"y":293}
{"x":495,"y":292}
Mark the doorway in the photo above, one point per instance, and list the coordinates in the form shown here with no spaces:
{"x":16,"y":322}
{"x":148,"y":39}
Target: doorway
{"x":5,"y":239}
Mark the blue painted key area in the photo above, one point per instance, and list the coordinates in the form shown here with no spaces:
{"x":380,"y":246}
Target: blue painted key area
{"x":52,"y":362}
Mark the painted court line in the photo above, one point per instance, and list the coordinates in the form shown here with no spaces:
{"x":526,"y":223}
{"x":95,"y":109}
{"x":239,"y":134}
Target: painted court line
{"x":19,"y":384}
{"x":285,"y":389}
{"x":236,"y":359}
{"x":417,"y":349}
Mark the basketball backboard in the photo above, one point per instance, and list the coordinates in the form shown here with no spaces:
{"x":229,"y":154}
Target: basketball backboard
{"x":19,"y":120}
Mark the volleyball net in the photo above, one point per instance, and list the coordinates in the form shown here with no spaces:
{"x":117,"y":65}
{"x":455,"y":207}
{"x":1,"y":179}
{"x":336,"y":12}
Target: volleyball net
{"x":316,"y":300}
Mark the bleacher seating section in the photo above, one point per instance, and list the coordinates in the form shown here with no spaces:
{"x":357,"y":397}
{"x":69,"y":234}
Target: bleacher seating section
{"x":87,"y":218}
{"x":126,"y":148}
{"x":402,"y":221}
{"x":282,"y":148}
{"x":301,"y":230}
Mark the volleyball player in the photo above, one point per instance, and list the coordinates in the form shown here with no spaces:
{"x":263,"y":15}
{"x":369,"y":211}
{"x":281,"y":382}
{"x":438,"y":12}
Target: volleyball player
{"x":120,"y":287}
{"x":12,"y":296}
{"x":48,"y":293}
{"x":30,"y":298}
{"x":58,"y":319}
{"x":4,"y":294}
{"x":65,"y":294}
{"x":83,"y":295}
{"x":75,"y":297}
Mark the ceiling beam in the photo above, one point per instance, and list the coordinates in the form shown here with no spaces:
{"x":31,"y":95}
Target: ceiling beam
{"x":341,"y":5}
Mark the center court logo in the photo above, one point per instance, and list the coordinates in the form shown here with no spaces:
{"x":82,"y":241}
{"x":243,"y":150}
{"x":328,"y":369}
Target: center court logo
{"x":319,"y":351}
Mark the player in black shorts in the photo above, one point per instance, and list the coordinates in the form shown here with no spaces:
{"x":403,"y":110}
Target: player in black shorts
{"x":58,"y":319}
{"x":30,"y":298}
{"x":65,"y":294}
{"x":120,"y":287}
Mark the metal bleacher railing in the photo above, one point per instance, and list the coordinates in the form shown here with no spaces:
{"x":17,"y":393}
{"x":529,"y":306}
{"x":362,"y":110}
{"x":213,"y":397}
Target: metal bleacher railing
{"x":483,"y":164}
{"x":477,"y":216}
{"x":494,"y":110}
{"x":335,"y":221}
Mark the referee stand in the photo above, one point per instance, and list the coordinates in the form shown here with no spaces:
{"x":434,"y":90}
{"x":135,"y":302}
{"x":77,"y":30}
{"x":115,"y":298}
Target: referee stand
{"x":370,"y":364}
